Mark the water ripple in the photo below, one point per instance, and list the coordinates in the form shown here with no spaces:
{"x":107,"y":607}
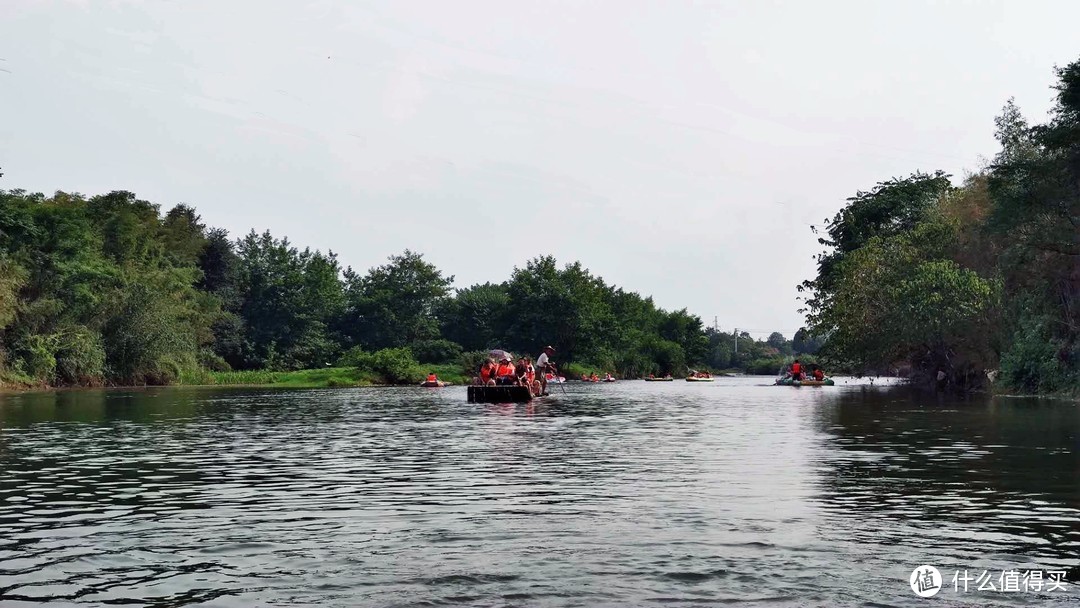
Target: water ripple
{"x":629,"y":494}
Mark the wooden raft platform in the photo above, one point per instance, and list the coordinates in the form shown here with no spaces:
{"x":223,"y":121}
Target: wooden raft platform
{"x":499,"y":394}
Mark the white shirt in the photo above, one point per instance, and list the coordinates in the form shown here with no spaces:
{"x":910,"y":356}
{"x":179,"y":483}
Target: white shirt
{"x":542,"y":361}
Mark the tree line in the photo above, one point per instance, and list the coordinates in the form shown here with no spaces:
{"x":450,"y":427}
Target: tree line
{"x":977,"y":281}
{"x":108,"y":290}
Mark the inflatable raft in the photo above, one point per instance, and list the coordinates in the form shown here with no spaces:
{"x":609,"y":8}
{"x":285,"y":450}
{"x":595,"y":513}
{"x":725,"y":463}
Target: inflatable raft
{"x":791,"y":382}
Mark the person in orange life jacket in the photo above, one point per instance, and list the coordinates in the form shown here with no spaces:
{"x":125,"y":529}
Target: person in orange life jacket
{"x":487,"y":373}
{"x":796,"y":370}
{"x":504,"y":373}
{"x":818,"y":374}
{"x":432,"y":378}
{"x":530,"y":378}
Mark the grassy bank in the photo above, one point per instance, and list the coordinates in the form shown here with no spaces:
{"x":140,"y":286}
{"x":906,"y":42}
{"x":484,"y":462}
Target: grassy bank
{"x":14,"y":382}
{"x":330,"y":377}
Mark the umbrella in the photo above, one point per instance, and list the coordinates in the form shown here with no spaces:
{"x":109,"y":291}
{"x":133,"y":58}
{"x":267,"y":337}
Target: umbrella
{"x":498,"y":354}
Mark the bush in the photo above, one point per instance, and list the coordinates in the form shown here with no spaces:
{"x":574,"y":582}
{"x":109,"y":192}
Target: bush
{"x":80,"y":357}
{"x":771,"y":366}
{"x":668,"y":355}
{"x":40,"y":358}
{"x":211,"y":361}
{"x":767,"y":366}
{"x":637,"y":365}
{"x":436,"y":351}
{"x":471,"y":361}
{"x":397,"y":365}
{"x":394,"y":365}
{"x":1032,"y":363}
{"x":356,"y":357}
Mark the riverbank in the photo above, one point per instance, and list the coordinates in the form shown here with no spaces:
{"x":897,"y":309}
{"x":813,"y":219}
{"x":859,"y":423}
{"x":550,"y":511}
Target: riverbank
{"x":330,"y":377}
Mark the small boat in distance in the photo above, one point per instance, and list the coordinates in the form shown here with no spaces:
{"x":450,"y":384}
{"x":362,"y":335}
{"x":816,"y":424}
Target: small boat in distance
{"x":433,"y":382}
{"x":664,"y":379}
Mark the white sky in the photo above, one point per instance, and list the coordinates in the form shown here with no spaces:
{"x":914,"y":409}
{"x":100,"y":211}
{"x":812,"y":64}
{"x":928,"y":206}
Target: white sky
{"x":678,"y":149}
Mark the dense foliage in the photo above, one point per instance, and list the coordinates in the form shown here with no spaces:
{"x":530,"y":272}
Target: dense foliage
{"x":965,"y":279}
{"x":107,"y":290}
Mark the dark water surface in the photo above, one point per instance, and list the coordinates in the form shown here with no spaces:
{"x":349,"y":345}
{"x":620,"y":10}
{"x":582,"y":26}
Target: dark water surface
{"x":626,"y":494}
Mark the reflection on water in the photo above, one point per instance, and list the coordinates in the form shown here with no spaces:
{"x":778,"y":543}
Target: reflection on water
{"x":964,"y":485}
{"x":625,"y":494}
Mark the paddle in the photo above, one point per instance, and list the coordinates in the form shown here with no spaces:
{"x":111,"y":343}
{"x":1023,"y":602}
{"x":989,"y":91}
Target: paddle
{"x":555,"y":377}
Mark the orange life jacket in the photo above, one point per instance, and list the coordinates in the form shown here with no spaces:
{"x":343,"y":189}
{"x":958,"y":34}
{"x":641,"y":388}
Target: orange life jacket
{"x":485,"y":373}
{"x":796,"y":368}
{"x":505,"y":369}
{"x":432,"y":378}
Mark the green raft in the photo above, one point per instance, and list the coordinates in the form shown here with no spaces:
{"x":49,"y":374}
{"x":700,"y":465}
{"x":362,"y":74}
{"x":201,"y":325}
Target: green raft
{"x":791,"y":382}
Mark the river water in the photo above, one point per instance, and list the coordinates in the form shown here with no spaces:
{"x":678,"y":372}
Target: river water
{"x":626,"y":494}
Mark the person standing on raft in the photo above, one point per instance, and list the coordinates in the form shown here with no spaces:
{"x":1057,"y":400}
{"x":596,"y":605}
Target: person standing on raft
{"x":796,"y":370}
{"x":545,"y":366}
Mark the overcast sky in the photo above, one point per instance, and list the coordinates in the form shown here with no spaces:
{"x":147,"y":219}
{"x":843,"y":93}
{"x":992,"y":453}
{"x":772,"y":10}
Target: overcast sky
{"x":679,"y":149}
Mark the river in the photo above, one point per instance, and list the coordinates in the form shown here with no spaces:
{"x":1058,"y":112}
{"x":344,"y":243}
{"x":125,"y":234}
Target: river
{"x":625,"y":494}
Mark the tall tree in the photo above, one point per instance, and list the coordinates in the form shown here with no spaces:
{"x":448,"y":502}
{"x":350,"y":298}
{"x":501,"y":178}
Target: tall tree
{"x":396,"y":304}
{"x":476,"y":316}
{"x":289,"y":300}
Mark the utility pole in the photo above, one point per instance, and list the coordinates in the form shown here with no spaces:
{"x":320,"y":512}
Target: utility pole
{"x":736,"y":340}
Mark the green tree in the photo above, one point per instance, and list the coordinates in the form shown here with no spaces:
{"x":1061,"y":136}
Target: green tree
{"x":128,"y":227}
{"x":804,"y":343}
{"x":897,"y":300}
{"x":476,"y":317}
{"x":890,"y":208}
{"x":396,"y":304}
{"x":183,"y":236}
{"x":565,"y":308}
{"x":1034,"y":184}
{"x":289,"y":300}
